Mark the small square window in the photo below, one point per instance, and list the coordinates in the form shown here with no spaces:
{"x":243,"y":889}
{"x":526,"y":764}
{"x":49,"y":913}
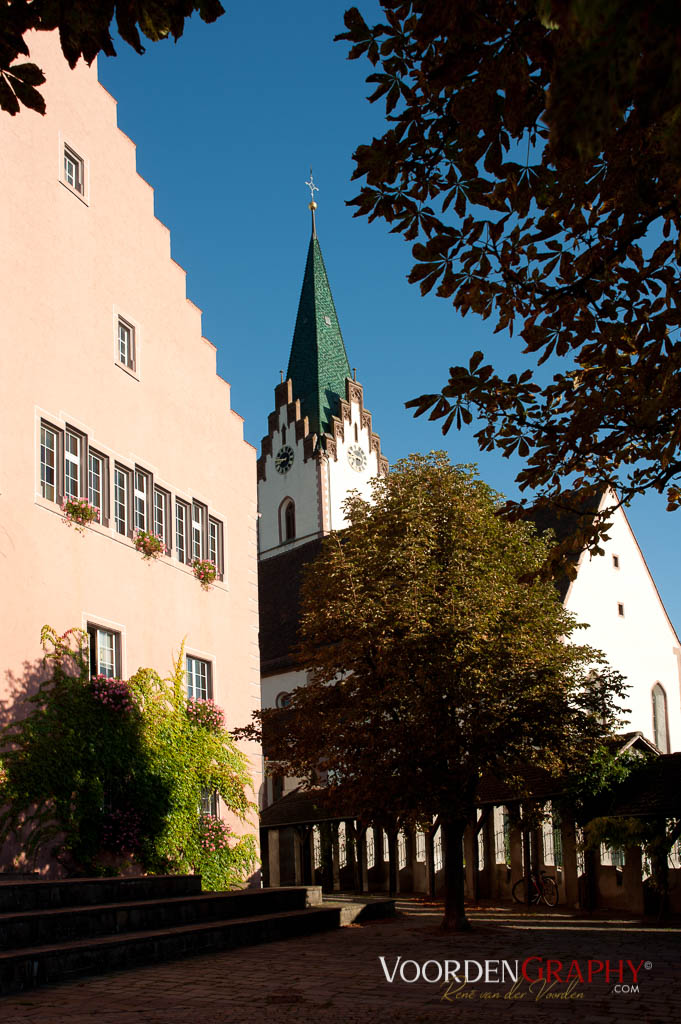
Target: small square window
{"x":199,"y":681}
{"x":105,"y":652}
{"x":209,"y":802}
{"x":620,"y":610}
{"x":126,"y":348}
{"x":615,"y":561}
{"x":74,"y":170}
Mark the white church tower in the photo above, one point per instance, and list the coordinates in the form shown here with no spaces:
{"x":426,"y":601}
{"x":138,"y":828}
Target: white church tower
{"x":319,"y":446}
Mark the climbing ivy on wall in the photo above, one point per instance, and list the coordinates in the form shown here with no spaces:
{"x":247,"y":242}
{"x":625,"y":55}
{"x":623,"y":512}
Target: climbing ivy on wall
{"x":103,"y":772}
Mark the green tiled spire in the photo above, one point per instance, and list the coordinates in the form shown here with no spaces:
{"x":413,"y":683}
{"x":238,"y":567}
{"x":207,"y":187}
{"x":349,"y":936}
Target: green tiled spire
{"x":318,"y":364}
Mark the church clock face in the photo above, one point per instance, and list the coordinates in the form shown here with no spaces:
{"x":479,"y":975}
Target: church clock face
{"x":283,"y":460}
{"x":357,"y":458}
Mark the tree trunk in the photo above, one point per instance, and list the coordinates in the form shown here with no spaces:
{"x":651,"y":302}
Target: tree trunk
{"x":591,"y":862}
{"x":455,"y":912}
{"x":430,"y":856}
{"x":659,"y":867}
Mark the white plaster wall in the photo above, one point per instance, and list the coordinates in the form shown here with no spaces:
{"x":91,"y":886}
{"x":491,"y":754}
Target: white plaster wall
{"x":299,"y":483}
{"x":641,"y":644}
{"x":342,"y":478}
{"x":283,"y":682}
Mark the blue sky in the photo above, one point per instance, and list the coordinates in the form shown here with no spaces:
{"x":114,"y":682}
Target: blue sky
{"x":227,"y":124}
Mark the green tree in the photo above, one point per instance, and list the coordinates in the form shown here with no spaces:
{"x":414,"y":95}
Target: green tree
{"x":431,"y":663}
{"x":84,"y":29}
{"x":532,"y":156}
{"x":100,"y":771}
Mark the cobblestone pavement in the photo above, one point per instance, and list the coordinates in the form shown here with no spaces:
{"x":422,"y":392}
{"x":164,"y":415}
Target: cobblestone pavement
{"x":337,"y":977}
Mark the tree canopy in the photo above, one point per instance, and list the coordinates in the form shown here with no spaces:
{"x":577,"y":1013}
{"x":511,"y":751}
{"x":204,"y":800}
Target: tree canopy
{"x":84,"y":29}
{"x":532,"y":156}
{"x":430,"y":661}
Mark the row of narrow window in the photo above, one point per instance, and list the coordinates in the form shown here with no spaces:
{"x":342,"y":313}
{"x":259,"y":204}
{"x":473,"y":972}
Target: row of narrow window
{"x":70,"y":468}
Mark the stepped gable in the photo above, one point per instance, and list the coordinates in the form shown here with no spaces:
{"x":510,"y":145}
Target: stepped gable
{"x":283,"y":396}
{"x":279,"y":581}
{"x":354,"y":392}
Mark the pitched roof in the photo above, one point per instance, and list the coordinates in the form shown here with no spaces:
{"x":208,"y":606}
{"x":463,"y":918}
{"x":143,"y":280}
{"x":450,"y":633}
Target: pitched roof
{"x":302,"y":807}
{"x":565,"y":521}
{"x":318,"y":364}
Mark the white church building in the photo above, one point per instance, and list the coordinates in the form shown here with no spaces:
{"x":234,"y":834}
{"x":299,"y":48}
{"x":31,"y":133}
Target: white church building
{"x":320,"y":444}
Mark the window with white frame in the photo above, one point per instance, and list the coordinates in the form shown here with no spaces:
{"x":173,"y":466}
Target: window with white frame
{"x":98,"y":484}
{"x":199,"y":682}
{"x":105,"y":651}
{"x":49,"y":462}
{"x":73,"y":453}
{"x":121,"y":499}
{"x":141,"y":500}
{"x":126,"y":344}
{"x":161,"y":516}
{"x":198,"y":530}
{"x":209,"y":802}
{"x":181,"y":531}
{"x":215,"y":545}
{"x":74,"y":170}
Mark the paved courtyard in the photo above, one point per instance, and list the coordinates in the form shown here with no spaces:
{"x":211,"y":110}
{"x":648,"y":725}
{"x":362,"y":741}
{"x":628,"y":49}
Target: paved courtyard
{"x":337,"y":977}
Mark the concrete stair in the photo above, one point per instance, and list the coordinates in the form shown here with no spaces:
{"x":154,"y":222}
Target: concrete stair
{"x":55,"y":931}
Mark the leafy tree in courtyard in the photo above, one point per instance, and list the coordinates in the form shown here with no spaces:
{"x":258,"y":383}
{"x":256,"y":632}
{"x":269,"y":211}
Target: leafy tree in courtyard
{"x":532,"y":156}
{"x":105,"y":772}
{"x":431,"y":663}
{"x":84,"y":29}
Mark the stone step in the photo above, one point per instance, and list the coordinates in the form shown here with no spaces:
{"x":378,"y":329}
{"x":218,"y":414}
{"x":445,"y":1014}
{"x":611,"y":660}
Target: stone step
{"x":43,"y":965}
{"x":70,"y":924}
{"x":358,"y":909}
{"x":77,"y":892}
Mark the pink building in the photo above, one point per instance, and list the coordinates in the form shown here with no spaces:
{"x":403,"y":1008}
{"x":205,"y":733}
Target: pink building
{"x":110,"y":392}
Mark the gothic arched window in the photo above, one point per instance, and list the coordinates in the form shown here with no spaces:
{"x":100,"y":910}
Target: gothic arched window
{"x":660,"y":722}
{"x":287,"y":520}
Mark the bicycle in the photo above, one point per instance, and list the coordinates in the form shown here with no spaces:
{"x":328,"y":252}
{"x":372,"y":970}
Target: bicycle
{"x":542,"y":887}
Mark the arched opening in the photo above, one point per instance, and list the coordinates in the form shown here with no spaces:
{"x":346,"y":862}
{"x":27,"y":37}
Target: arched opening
{"x":283,"y":435}
{"x":660,"y":721}
{"x":287,"y":520}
